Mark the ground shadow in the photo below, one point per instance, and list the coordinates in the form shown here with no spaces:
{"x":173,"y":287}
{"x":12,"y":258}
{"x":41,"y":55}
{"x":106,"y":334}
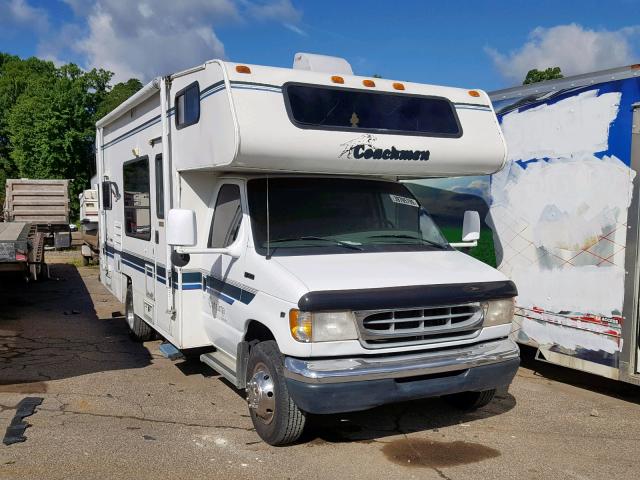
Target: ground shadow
{"x":588,"y":381}
{"x":395,"y":419}
{"x":54,"y":329}
{"x":380,"y":422}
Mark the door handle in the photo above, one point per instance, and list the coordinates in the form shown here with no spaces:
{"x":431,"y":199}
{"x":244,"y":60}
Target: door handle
{"x":157,"y":234}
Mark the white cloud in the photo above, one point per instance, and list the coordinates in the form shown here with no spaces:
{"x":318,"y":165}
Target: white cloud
{"x":18,"y":13}
{"x":155,"y":37}
{"x":294,"y":29}
{"x":573,"y":48}
{"x":281,"y":10}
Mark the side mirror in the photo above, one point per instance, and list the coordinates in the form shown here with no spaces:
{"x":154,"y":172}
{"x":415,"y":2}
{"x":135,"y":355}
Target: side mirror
{"x":471,"y":226}
{"x":181,"y":228}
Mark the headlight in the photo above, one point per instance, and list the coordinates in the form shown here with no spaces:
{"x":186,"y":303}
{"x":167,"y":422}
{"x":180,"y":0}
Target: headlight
{"x":498,"y":312}
{"x":322,"y":326}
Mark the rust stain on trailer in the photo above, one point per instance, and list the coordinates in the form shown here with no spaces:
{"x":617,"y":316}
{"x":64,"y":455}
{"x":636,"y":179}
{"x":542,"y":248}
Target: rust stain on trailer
{"x":414,"y":452}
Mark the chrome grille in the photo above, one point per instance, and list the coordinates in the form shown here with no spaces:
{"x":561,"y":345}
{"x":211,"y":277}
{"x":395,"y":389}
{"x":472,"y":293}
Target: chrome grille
{"x":390,"y":328}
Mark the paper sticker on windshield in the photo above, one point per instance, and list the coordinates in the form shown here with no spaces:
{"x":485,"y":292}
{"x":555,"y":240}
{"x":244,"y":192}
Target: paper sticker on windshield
{"x":404,"y":200}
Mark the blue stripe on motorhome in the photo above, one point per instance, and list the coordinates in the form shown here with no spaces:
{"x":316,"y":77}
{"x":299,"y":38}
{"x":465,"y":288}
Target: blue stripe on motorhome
{"x":210,"y":90}
{"x":133,"y":131}
{"x":226,"y":289}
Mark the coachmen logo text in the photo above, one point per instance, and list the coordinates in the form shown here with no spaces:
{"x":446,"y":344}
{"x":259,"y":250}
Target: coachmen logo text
{"x":365,"y":147}
{"x":363,"y":151}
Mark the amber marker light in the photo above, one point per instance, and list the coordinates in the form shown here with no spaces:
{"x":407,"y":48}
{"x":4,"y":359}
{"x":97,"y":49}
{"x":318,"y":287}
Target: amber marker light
{"x":300,"y":325}
{"x":242,"y":69}
{"x":337,"y":79}
{"x":474,"y":93}
{"x":368,"y":83}
{"x":398,"y":86}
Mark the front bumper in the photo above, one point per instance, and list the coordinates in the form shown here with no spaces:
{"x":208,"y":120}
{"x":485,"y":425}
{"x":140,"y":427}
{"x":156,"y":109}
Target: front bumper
{"x":351,"y":384}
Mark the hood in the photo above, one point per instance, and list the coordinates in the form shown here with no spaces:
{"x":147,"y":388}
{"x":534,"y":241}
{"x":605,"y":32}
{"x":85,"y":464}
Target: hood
{"x":387,"y":269}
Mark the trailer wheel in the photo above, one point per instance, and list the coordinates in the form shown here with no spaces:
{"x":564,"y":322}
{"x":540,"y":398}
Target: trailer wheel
{"x":276,"y":418}
{"x":470,"y":400}
{"x":138,"y":328}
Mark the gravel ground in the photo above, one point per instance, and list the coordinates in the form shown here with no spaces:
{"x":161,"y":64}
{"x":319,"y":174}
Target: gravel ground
{"x":117,"y":409}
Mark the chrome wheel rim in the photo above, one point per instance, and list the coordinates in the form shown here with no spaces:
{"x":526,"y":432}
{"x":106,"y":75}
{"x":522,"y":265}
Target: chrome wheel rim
{"x":261,"y":395}
{"x":129,"y":312}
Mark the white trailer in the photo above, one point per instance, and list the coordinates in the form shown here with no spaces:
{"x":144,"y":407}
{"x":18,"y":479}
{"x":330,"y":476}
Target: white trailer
{"x":254,"y":214}
{"x":565,"y":217}
{"x":89,"y":217}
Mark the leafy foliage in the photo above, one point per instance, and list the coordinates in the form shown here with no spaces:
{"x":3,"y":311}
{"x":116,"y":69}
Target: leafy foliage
{"x":47,"y":119}
{"x":535,"y":75}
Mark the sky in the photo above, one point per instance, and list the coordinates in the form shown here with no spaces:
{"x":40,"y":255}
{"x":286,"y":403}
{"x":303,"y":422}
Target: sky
{"x":481,"y":44}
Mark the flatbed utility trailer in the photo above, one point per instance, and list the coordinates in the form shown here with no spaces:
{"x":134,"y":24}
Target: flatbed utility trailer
{"x":21,"y":249}
{"x":41,"y":203}
{"x":565,"y":212}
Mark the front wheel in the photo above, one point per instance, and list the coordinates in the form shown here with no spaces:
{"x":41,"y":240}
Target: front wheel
{"x":275,"y":416}
{"x":470,"y":400}
{"x":138,"y":328}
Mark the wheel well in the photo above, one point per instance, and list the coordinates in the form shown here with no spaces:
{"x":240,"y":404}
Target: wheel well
{"x":257,"y":331}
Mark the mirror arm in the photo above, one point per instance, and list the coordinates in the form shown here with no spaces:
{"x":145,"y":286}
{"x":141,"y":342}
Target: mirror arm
{"x":464,"y":244}
{"x":204,"y":251}
{"x":194,"y":250}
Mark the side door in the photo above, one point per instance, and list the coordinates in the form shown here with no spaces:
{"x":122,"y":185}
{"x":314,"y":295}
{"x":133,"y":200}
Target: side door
{"x":222,"y":305}
{"x":158,"y":239}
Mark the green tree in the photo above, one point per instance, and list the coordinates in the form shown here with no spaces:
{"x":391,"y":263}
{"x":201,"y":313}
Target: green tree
{"x":51,"y":126}
{"x":118,"y":94}
{"x":47,"y":119}
{"x":16,"y":77}
{"x":535,"y":75}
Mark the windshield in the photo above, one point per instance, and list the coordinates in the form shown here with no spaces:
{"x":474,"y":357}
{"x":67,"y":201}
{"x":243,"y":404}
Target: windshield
{"x":324,"y":215}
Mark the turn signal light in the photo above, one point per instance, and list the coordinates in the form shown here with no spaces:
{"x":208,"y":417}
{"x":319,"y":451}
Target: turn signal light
{"x":337,"y":79}
{"x":398,"y":86}
{"x":242,"y":69}
{"x":368,"y":83}
{"x":474,"y":93}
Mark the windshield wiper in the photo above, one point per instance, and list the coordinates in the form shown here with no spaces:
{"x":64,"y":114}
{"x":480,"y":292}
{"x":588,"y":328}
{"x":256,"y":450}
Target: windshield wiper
{"x":400,"y":235}
{"x":332,"y":240}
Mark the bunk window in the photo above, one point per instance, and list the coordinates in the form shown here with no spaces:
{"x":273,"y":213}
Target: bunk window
{"x":137,"y":206}
{"x":333,"y":108}
{"x":187,"y":105}
{"x":227,"y":216}
{"x":159,"y":188}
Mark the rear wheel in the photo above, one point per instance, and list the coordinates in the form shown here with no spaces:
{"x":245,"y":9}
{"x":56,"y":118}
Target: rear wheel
{"x":470,"y":400}
{"x":276,"y":418}
{"x":138,"y":328}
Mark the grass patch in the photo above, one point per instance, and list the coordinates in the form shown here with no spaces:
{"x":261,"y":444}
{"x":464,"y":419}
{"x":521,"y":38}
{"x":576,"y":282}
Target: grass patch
{"x":484,"y":252}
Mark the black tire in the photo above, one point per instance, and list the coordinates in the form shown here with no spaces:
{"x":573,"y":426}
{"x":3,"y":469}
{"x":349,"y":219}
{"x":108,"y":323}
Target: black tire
{"x":139,"y":330}
{"x":470,"y":400}
{"x":287,"y":421}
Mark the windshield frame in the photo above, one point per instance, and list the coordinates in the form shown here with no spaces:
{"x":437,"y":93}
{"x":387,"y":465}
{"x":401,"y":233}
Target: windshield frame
{"x":380,"y":131}
{"x":326,"y":248}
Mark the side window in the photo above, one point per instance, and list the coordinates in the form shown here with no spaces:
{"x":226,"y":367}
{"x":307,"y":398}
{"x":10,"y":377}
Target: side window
{"x":188,"y":106}
{"x":137,"y":211}
{"x":226,"y":217}
{"x":159,"y":187}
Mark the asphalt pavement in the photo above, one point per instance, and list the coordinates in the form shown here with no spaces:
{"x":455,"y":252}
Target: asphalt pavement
{"x":114,"y":408}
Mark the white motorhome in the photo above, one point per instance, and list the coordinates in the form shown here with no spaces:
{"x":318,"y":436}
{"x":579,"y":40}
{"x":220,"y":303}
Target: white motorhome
{"x":254,"y":215}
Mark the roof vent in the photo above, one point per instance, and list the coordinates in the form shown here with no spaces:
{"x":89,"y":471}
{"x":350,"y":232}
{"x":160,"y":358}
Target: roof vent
{"x":321,"y":63}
